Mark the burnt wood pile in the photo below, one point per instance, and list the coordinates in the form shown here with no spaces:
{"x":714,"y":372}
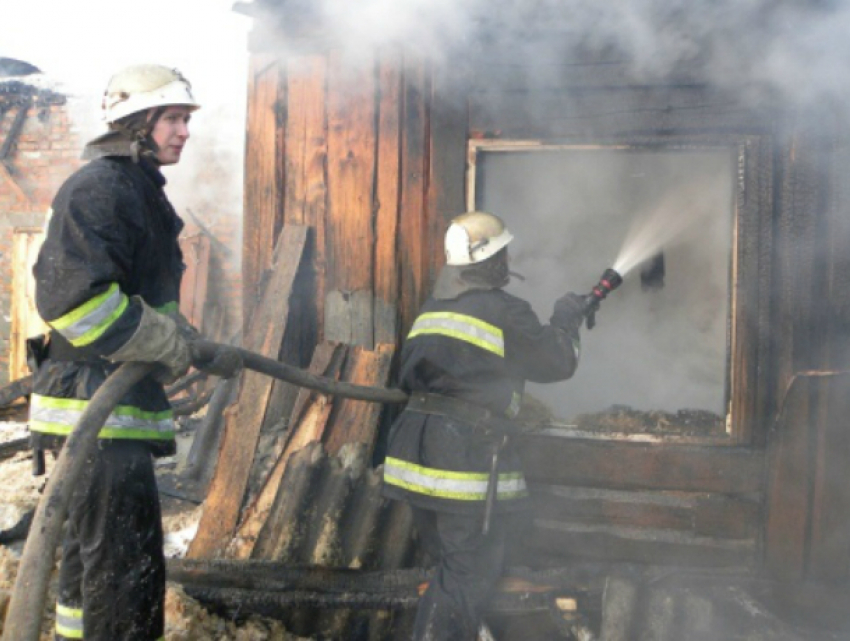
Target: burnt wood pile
{"x":294,"y":482}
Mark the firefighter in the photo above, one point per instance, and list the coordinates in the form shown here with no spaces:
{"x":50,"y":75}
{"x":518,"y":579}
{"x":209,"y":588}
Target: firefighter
{"x":107,"y":284}
{"x":465,"y":363}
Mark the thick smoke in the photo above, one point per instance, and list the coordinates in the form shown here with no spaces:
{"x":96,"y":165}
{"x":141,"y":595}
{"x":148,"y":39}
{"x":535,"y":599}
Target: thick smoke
{"x":662,"y":349}
{"x":799,"y":49}
{"x":762,"y":52}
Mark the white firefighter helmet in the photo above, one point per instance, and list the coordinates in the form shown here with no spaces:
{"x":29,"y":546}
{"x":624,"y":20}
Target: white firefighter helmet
{"x":143,"y":87}
{"x":474,"y":237}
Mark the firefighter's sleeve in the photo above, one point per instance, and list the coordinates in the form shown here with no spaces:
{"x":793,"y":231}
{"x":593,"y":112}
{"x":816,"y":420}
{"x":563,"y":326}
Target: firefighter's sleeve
{"x":87,"y":253}
{"x":539,"y":353}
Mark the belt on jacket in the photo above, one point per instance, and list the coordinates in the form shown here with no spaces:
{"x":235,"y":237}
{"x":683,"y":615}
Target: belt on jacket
{"x":481,"y":418}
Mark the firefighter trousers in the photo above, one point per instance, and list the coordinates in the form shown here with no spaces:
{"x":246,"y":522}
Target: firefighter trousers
{"x":468,"y":566}
{"x":112,"y":576}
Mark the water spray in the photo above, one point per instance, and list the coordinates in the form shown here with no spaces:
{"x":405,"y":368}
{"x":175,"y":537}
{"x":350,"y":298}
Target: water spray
{"x":609,"y":281}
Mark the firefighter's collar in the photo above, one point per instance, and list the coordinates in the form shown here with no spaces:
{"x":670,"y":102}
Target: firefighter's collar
{"x":451,"y":283}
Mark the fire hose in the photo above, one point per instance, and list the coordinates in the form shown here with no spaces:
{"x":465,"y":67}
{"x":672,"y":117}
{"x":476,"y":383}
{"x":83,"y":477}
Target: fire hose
{"x":23,"y":619}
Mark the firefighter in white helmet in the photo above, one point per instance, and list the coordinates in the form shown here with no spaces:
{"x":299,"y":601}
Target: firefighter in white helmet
{"x":107,"y":284}
{"x":465,"y":363}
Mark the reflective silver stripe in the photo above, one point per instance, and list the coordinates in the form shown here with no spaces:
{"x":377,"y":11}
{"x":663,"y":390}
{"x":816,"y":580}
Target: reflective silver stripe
{"x":461,"y":327}
{"x":59,"y":416}
{"x":69,"y":622}
{"x":90,"y":320}
{"x":459,"y":486}
{"x":515,"y":406}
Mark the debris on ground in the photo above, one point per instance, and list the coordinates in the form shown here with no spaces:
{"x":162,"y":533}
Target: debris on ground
{"x":534,"y":412}
{"x":187,"y":620}
{"x":684,"y":422}
{"x":625,"y":419}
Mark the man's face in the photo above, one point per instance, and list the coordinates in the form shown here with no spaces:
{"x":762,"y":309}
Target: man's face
{"x":170,"y":134}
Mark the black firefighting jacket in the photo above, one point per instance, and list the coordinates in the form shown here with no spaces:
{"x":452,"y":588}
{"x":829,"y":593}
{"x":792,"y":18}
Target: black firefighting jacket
{"x":480,"y":347}
{"x":112,"y":235}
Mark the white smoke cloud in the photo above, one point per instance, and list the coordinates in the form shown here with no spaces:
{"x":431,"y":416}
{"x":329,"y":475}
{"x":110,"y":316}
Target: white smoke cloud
{"x":800,"y":49}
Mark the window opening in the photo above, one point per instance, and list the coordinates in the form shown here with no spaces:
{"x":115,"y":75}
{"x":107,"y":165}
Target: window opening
{"x":657,"y":364}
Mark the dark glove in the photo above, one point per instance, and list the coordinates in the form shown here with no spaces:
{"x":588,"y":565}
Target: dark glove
{"x":569,"y":312}
{"x":226,"y":363}
{"x":186,"y":329}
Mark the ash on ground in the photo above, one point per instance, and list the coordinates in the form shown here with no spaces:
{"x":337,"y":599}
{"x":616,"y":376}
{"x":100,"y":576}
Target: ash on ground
{"x":185,"y":618}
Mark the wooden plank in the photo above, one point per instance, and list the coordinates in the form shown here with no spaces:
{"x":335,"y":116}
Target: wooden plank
{"x":608,"y":543}
{"x":357,"y":421}
{"x":387,"y":190}
{"x":751,"y":290}
{"x":282,"y":534}
{"x":352,"y":140}
{"x":306,"y":184}
{"x":193,"y":285}
{"x":327,"y":361}
{"x":414,"y":187}
{"x":296,"y":349}
{"x":263,"y":197}
{"x":349,"y":317}
{"x":728,"y":517}
{"x":715,"y":515}
{"x":25,"y":321}
{"x":617,"y":465}
{"x":788,"y":491}
{"x":836,"y":238}
{"x":501,"y":67}
{"x":242,"y":429}
{"x":309,"y":418}
{"x":449,"y":121}
{"x":829,"y":555}
{"x":600,"y":112}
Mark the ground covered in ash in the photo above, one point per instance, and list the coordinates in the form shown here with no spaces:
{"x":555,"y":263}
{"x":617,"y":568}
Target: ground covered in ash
{"x":185,"y":618}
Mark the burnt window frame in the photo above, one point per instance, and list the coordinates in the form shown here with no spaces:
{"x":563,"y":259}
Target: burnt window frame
{"x":749,"y":288}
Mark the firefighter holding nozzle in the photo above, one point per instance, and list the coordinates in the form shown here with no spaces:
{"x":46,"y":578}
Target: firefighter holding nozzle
{"x":465,"y":363}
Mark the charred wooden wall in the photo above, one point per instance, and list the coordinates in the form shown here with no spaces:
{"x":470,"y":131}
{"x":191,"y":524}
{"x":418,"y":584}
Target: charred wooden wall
{"x":785,"y":509}
{"x":352,"y":152}
{"x":372,"y":159}
{"x":808,"y":505}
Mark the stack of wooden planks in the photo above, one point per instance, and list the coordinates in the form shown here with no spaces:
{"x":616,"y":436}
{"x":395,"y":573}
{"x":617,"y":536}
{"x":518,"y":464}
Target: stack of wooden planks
{"x":272,"y":420}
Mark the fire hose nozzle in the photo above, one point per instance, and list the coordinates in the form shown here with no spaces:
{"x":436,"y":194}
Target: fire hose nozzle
{"x":609,"y":281}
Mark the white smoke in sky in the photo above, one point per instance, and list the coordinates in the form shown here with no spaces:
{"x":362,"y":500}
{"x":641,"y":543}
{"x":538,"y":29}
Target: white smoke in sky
{"x":800,"y":49}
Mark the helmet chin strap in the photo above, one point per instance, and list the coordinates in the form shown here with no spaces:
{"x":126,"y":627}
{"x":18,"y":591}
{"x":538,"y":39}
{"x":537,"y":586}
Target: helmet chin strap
{"x":133,"y":133}
{"x":146,"y":144}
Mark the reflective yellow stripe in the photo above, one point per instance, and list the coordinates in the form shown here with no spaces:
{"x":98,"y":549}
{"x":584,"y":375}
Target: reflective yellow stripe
{"x":65,"y":611}
{"x":54,"y":402}
{"x":89,"y":321}
{"x":69,"y":622}
{"x":461,"y":327}
{"x":51,"y":415}
{"x":68,"y":633}
{"x":168,"y":308}
{"x":458,"y":486}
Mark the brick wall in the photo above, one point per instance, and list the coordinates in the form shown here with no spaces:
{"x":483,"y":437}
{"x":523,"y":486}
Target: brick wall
{"x":44,"y":152}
